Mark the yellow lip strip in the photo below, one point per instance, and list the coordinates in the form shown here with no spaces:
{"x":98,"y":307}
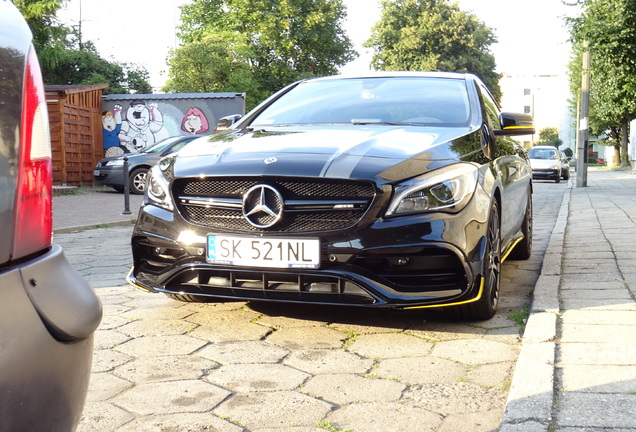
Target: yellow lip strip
{"x":481,"y":290}
{"x":131,"y":282}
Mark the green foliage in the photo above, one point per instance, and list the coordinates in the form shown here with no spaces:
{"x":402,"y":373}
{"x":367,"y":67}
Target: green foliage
{"x":66,"y":61}
{"x":257,"y":46}
{"x":433,"y":35}
{"x":608,"y":29}
{"x":549,"y":136}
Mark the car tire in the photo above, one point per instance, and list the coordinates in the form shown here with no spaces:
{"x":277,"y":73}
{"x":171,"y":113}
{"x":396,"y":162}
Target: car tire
{"x":523,"y":249}
{"x":558,"y":179}
{"x":486,"y":306}
{"x":138,"y":181}
{"x":119,"y":189}
{"x":566,"y":175}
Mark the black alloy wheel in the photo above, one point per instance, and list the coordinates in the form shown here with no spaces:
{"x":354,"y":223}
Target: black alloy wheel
{"x":138,"y":181}
{"x":486,"y":306}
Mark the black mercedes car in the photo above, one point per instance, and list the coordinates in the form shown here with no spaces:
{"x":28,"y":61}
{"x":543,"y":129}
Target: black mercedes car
{"x":398,"y":190}
{"x":48,"y":313}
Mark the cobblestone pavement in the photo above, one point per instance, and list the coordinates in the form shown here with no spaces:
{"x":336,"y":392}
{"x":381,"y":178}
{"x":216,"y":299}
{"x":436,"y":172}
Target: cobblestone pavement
{"x":164,"y":365}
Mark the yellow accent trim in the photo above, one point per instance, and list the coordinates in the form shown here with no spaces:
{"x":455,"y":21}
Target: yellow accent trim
{"x":136,"y":285}
{"x":516,"y":127}
{"x":481,"y":290}
{"x":503,"y":258}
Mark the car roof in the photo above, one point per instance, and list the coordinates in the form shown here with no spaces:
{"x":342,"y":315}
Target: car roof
{"x":398,"y":74}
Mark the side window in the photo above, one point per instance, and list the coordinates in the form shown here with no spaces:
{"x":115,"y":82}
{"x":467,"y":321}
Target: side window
{"x":491,"y":111}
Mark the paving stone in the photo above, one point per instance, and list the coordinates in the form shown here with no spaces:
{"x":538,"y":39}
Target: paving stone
{"x":308,"y":338}
{"x":172,"y":397}
{"x":273,"y":409}
{"x":162,"y":313}
{"x":257,"y":377}
{"x":392,"y":345}
{"x":107,"y":339}
{"x":328,"y":361}
{"x":244,"y":352}
{"x":165,"y":368}
{"x":155,"y":346}
{"x":598,"y":294}
{"x":455,"y":398}
{"x":615,"y":334}
{"x":444,"y":331}
{"x":103,"y":417}
{"x":421,"y":370}
{"x":383,"y":417}
{"x":104,"y":386}
{"x":111,"y":322}
{"x":344,"y":389}
{"x":107,"y":360}
{"x":495,"y":375}
{"x":241,"y":331}
{"x":475,"y":351}
{"x":487,"y":421}
{"x":626,"y":318}
{"x":597,"y":354}
{"x":187,"y":422}
{"x":140,"y":328}
{"x":596,"y":410}
{"x":599,"y":379}
{"x":215,"y":318}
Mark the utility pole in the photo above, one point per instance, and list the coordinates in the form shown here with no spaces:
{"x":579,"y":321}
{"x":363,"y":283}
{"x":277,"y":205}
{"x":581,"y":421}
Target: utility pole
{"x":583,"y":131}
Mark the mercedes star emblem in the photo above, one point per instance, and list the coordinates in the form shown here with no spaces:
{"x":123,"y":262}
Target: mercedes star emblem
{"x":262,"y":206}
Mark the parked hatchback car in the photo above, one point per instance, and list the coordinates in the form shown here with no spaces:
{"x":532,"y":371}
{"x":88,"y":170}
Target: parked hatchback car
{"x":389,"y":190}
{"x":546,"y":163}
{"x":110,"y":171}
{"x":48,"y":313}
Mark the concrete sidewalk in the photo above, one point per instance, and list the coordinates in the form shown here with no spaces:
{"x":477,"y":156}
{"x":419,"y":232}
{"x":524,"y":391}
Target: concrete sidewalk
{"x":577,"y":367}
{"x":97,"y":207}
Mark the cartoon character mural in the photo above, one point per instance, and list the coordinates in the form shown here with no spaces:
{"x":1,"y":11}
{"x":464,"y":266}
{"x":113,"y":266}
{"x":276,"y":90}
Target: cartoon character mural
{"x":111,"y":126}
{"x":194,"y":121}
{"x":141,"y":125}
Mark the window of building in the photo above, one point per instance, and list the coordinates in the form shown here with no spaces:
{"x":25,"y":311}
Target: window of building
{"x":526,"y":109}
{"x":526,"y":92}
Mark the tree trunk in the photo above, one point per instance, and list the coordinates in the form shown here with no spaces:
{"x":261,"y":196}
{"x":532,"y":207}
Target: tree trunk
{"x":616,"y":160}
{"x":624,"y":141}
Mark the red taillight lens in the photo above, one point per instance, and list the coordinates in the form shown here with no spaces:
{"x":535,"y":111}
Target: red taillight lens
{"x":34,"y":200}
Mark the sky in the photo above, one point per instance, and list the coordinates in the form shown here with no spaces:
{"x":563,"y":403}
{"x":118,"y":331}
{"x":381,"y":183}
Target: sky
{"x":532,"y":39}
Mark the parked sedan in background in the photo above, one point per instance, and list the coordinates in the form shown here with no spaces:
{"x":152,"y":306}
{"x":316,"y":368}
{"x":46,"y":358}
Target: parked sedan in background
{"x":48,"y":313}
{"x":565,"y":166}
{"x":110,"y":171}
{"x":389,"y":190}
{"x":546,"y":163}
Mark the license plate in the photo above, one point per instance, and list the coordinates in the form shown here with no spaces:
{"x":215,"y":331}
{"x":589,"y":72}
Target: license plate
{"x":263,"y":252}
{"x":96,"y":172}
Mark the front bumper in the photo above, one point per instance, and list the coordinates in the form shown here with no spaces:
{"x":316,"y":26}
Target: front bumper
{"x":109,"y":176}
{"x":409,"y":261}
{"x":546,"y":174}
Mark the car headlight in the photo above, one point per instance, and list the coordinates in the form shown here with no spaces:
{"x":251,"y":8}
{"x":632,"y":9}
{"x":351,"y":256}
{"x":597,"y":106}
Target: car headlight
{"x":555,"y":167}
{"x":447,"y":189}
{"x":157,"y":189}
{"x":115,"y":162}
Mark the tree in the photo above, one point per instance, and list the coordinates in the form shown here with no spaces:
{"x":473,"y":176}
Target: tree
{"x":549,"y":136}
{"x":608,"y":27}
{"x":433,"y":35}
{"x":257,"y":46}
{"x":65,"y":61}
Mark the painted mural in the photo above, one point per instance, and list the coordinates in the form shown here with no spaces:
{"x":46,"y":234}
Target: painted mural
{"x":130,"y":126}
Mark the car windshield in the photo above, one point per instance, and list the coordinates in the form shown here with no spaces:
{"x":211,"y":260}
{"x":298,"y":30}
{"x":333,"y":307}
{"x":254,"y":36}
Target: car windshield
{"x":537,"y":153}
{"x":394,"y":100}
{"x":161,"y":145}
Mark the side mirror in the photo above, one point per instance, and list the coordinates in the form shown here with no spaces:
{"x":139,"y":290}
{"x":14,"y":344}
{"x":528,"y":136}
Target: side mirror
{"x":515,"y":124}
{"x":227,"y":122}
